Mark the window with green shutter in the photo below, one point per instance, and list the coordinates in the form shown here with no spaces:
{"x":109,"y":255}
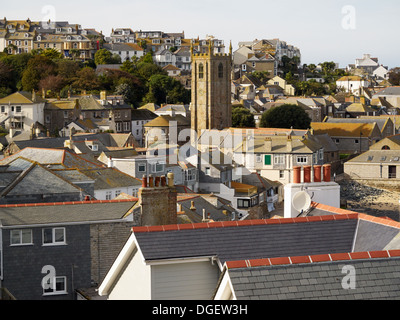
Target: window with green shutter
{"x":267,"y":160}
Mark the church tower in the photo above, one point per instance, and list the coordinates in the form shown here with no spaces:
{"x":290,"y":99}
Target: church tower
{"x":211,"y":106}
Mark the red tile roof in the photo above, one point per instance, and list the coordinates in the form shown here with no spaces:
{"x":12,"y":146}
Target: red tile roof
{"x":312,"y":259}
{"x":224,"y":224}
{"x":66,"y":203}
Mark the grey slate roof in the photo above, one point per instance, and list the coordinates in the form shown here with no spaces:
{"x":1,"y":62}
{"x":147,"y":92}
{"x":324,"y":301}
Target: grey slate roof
{"x":250,"y":242}
{"x":64,"y":213}
{"x":318,"y":281}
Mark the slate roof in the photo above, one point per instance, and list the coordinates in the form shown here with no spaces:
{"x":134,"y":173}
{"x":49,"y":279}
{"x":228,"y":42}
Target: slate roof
{"x":64,"y":212}
{"x":107,"y":178}
{"x":51,"y":157}
{"x":39,"y":180}
{"x":252,"y":239}
{"x":343,"y":129}
{"x":319,"y":280}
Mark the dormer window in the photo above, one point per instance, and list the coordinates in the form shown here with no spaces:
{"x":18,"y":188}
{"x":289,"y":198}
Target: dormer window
{"x":39,"y":38}
{"x":26,"y":35}
{"x":69,"y":30}
{"x":69,"y":38}
{"x":58,"y":30}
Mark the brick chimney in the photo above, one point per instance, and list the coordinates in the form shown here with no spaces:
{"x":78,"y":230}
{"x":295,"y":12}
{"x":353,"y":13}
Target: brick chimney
{"x":268,"y":144}
{"x":289,"y":147}
{"x":158,"y":200}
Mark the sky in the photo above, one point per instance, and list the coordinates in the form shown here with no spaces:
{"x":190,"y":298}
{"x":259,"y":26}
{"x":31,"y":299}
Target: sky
{"x":323,"y":30}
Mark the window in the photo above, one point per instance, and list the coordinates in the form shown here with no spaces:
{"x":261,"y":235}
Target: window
{"x":243,"y":203}
{"x":258,"y":158}
{"x":3,"y":109}
{"x":59,"y":286}
{"x":201,"y":71}
{"x":157,"y":167}
{"x":53,"y":236}
{"x":127,"y":126}
{"x":267,"y":160}
{"x":142,"y":168}
{"x":190,"y":175}
{"x":281,"y":174}
{"x":301,"y":159}
{"x":220,"y":71}
{"x":21,"y":237}
{"x":279,"y":159}
{"x":108,"y":195}
{"x":208,"y":171}
{"x":356,"y":141}
{"x":117,"y":193}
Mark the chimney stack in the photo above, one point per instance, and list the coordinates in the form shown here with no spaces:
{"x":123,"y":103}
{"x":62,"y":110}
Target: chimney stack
{"x":289,"y":147}
{"x":158,"y":200}
{"x":268,"y":144}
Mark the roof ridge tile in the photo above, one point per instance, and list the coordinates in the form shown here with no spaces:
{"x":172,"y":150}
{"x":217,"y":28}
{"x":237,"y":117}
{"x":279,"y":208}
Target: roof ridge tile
{"x":242,"y":223}
{"x":66,"y":203}
{"x":333,"y":257}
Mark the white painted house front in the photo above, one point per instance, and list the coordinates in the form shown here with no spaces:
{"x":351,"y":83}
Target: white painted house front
{"x":20,"y":111}
{"x":352,"y":84}
{"x":170,"y":279}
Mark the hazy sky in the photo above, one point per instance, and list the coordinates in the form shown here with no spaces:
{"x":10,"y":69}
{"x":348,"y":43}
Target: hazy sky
{"x":324,"y":30}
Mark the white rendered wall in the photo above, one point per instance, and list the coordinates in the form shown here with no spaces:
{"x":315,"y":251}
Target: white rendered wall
{"x":327,"y":193}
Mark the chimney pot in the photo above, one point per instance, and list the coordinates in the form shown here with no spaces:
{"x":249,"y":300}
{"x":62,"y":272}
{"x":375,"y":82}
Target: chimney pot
{"x":144,"y":181}
{"x":170,"y":176}
{"x":151,"y":184}
{"x":307,"y":174}
{"x":157,"y":181}
{"x":163,"y":181}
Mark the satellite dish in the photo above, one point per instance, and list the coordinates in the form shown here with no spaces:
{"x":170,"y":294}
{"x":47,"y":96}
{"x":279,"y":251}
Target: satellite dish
{"x":301,"y":201}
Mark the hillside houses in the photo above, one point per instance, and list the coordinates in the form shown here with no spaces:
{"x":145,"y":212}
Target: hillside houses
{"x":95,"y":184}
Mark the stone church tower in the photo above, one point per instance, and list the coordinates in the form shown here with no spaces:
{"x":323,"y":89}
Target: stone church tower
{"x":211,"y":106}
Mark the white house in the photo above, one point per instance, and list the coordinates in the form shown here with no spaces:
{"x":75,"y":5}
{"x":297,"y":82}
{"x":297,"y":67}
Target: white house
{"x":109,"y":183}
{"x":125,"y":50}
{"x":21,"y":111}
{"x":381,"y":73}
{"x":352,"y":84}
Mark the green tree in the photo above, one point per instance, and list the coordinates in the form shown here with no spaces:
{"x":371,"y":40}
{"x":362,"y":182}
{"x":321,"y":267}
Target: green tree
{"x":286,"y":116}
{"x":263,"y":76}
{"x":52,"y":54}
{"x":38,"y":68}
{"x":394,"y":76}
{"x":103,"y":56}
{"x":242,"y":118}
{"x":86,"y":80}
{"x":164,"y":89}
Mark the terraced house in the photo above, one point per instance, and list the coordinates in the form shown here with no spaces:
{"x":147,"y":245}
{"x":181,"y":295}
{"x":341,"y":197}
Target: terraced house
{"x":23,"y":36}
{"x":274,"y":157}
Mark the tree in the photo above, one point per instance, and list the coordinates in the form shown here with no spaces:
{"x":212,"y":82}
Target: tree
{"x":394,"y":76}
{"x":52,"y":54}
{"x":52,"y":83}
{"x":103,"y":56}
{"x":263,"y":76}
{"x":242,"y":118}
{"x":38,"y":68}
{"x":86,"y":80}
{"x":286,"y":116}
{"x":164,"y":89}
